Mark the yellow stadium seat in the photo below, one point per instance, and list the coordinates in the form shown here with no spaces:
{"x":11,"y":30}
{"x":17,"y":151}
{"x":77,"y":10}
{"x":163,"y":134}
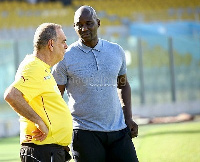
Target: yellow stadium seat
{"x":111,"y":12}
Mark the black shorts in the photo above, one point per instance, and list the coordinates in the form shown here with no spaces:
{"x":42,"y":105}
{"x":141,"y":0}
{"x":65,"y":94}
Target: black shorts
{"x":30,"y":152}
{"x":94,"y":146}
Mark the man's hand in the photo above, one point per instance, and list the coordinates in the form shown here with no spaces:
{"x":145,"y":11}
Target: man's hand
{"x":133,"y":127}
{"x":41,"y":132}
{"x":67,"y":155}
{"x":67,"y":148}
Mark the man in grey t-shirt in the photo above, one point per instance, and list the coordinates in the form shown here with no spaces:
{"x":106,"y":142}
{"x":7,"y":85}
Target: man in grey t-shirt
{"x":92,"y":71}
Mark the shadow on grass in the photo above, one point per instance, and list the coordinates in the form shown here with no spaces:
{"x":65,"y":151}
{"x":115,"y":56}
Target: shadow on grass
{"x":170,"y":132}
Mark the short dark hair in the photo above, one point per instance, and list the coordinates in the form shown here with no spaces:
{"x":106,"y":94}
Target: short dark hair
{"x":44,"y":33}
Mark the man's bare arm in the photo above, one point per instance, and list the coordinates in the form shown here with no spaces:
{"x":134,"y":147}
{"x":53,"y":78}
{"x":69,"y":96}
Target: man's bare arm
{"x":125,"y":96}
{"x":62,"y":89}
{"x":16,"y":100}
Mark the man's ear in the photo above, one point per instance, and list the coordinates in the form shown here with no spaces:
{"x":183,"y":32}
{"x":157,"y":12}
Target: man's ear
{"x":98,"y":22}
{"x":50,"y":44}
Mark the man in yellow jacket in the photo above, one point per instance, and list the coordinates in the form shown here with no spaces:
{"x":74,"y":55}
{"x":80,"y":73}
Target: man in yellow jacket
{"x":45,"y":120}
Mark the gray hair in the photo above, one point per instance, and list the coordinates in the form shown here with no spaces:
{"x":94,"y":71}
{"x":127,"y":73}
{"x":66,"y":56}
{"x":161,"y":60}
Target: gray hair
{"x":86,"y":9}
{"x":44,"y":33}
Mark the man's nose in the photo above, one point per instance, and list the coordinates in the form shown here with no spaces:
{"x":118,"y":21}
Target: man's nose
{"x":84,"y":28}
{"x":66,"y":46}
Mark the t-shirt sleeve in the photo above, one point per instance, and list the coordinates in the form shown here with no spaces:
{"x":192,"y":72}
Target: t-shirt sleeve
{"x":59,"y":72}
{"x":123,"y":68}
{"x":29,"y":82}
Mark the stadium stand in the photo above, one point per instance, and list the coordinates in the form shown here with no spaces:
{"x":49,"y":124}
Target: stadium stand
{"x":115,"y":12}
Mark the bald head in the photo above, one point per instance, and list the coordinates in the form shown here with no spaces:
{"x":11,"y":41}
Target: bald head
{"x":86,"y":25}
{"x":85,"y":9}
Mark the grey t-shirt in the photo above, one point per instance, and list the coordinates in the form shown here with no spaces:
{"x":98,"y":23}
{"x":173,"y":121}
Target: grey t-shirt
{"x":90,"y":75}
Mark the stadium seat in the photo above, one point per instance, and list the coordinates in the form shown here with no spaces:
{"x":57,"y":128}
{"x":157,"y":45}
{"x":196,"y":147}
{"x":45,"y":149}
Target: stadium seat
{"x":116,"y":12}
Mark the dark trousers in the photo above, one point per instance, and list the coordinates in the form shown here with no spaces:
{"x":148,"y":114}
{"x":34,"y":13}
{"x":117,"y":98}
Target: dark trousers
{"x":94,"y":146}
{"x":30,"y":152}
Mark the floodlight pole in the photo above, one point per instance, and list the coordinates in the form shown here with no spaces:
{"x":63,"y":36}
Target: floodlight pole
{"x":141,"y":74}
{"x":172,"y":73}
{"x":16,"y":54}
